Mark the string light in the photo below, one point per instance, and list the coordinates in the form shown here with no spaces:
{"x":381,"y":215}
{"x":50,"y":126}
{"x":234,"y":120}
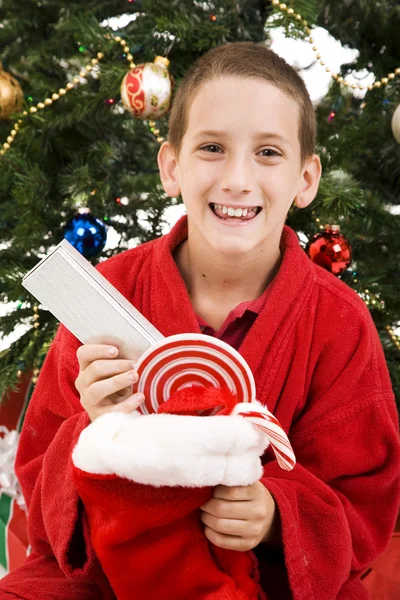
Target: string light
{"x":331,"y":116}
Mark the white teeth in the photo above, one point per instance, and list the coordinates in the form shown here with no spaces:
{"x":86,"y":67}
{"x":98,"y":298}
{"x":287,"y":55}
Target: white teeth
{"x":234,"y":212}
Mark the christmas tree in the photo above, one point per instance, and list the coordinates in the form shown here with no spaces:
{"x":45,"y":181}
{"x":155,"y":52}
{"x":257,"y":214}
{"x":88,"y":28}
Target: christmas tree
{"x":70,"y":144}
{"x":360,"y":189}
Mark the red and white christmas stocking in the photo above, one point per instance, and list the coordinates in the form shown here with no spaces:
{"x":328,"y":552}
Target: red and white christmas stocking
{"x":143,"y":478}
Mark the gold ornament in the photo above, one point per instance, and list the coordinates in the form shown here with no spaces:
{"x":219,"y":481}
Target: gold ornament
{"x":396,"y":124}
{"x":11,"y":95}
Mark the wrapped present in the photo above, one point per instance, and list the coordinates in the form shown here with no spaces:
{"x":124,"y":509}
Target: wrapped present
{"x":13,"y":518}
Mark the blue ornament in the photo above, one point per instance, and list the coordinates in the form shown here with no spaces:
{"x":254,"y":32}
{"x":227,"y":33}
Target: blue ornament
{"x":87,"y":234}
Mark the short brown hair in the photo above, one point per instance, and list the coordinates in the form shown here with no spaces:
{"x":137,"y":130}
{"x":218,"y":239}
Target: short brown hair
{"x":243,"y":59}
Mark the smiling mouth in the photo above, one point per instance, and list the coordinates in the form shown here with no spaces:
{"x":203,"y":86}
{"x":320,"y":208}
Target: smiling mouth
{"x":235,"y":214}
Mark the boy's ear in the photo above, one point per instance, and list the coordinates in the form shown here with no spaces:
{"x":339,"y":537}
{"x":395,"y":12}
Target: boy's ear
{"x":310,"y":176}
{"x":167,"y":165}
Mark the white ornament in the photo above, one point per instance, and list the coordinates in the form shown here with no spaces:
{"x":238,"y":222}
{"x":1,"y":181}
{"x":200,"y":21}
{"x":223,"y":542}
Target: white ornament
{"x":146,"y":89}
{"x":396,"y":124}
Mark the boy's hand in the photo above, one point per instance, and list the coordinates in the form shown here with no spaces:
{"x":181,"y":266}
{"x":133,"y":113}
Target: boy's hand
{"x":239,"y":518}
{"x":104,"y":383}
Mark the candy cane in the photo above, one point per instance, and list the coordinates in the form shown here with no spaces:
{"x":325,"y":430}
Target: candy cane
{"x":269,"y":424}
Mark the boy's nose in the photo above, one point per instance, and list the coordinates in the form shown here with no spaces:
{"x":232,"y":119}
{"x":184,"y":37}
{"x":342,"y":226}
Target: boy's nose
{"x":238,"y":176}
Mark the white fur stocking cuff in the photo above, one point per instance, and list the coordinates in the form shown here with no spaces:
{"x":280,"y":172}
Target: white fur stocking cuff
{"x":172,"y":450}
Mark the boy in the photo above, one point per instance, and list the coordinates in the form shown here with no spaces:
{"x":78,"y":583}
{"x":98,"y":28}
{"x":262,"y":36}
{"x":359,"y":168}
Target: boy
{"x":240,"y":151}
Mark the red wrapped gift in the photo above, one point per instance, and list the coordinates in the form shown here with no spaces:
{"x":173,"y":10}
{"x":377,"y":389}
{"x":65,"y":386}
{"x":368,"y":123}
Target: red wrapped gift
{"x":13,"y":519}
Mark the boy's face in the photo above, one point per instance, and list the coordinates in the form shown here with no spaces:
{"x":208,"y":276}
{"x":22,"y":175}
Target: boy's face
{"x":241,"y":150}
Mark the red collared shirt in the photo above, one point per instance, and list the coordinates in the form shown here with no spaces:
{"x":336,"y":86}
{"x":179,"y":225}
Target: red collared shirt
{"x":236,"y":325}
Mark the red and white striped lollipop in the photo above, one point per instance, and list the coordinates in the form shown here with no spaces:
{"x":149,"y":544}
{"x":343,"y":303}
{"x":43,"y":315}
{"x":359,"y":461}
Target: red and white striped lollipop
{"x":188,"y":359}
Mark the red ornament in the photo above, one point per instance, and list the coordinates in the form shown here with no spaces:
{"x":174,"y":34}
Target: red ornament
{"x":146,"y":89}
{"x":330,"y":250}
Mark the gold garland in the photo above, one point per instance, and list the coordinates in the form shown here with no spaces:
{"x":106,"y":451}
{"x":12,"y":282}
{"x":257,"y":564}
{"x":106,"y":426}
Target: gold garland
{"x":62,"y":91}
{"x":155,"y":131}
{"x":153,"y":127}
{"x":395,"y":338}
{"x":377,"y":84}
{"x":368,"y":298}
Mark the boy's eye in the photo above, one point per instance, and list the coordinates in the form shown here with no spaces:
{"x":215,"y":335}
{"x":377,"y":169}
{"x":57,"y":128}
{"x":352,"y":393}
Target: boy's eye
{"x":268,"y":152}
{"x":211,"y":148}
{"x":214,"y":149}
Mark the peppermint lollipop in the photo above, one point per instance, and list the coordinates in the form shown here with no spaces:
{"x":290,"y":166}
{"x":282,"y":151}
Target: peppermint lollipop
{"x":190,"y":359}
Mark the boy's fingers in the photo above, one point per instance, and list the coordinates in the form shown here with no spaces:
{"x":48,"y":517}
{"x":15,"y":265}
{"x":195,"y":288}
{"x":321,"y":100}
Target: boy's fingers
{"x":102,"y":369}
{"x":99,"y":370}
{"x":106,"y":387}
{"x":87,"y":353}
{"x":130,"y":404}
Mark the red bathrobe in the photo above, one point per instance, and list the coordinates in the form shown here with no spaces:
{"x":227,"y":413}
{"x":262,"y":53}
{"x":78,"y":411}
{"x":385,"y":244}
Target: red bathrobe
{"x":318,"y":366}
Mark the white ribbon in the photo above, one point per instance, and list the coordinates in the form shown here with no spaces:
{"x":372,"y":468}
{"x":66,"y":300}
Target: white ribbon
{"x":8,"y":480}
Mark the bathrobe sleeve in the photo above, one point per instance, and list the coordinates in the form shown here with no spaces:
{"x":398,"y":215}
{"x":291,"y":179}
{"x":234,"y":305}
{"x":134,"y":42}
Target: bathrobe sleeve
{"x":57,"y":524}
{"x":338,"y":507}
